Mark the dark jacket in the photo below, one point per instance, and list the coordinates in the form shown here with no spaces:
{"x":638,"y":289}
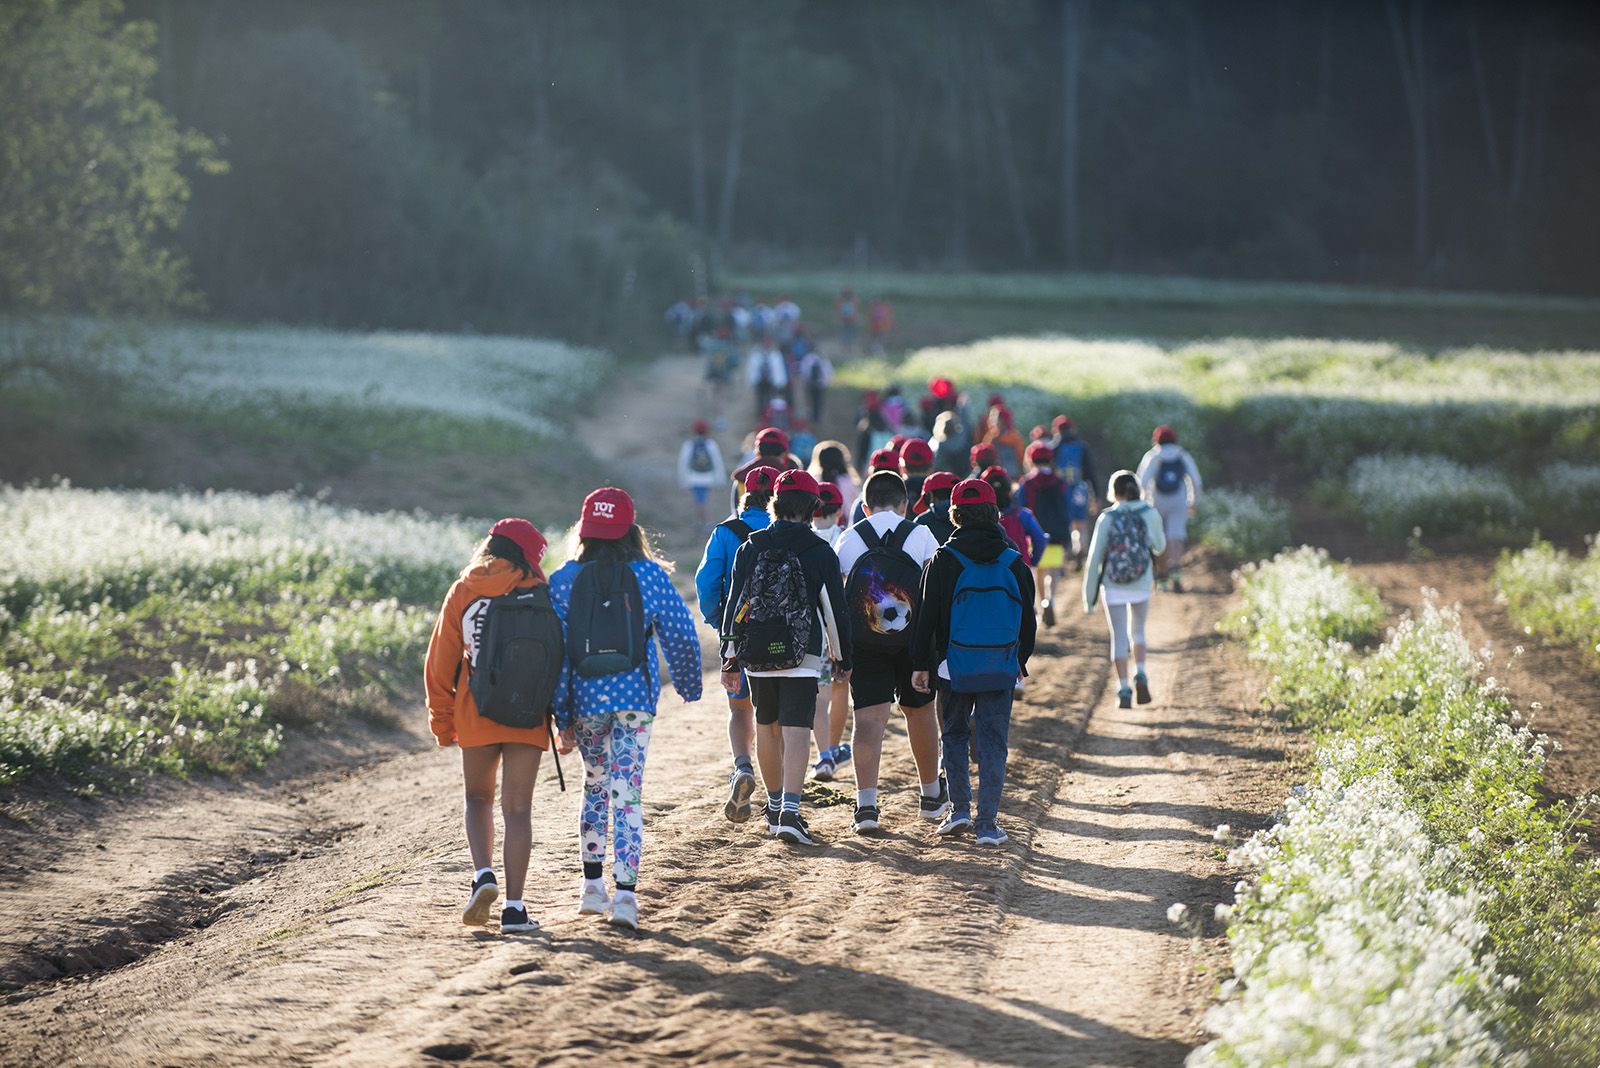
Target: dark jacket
{"x":980,"y":544}
{"x":821,"y":569}
{"x":937,"y":519}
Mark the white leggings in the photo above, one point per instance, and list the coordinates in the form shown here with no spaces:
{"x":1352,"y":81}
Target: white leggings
{"x":1120,"y":616}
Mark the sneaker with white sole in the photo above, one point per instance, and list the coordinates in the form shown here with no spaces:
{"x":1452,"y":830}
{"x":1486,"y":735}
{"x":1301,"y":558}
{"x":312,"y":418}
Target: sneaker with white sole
{"x":866,"y":819}
{"x":624,"y":910}
{"x":792,"y":829}
{"x":955,"y":823}
{"x":594,"y":901}
{"x":937,"y":807}
{"x":741,"y":784}
{"x":773,"y":812}
{"x":514,"y":920}
{"x":823,"y":769}
{"x":1047,"y":613}
{"x":992,"y":835}
{"x":485,"y":892}
{"x":841,"y":756}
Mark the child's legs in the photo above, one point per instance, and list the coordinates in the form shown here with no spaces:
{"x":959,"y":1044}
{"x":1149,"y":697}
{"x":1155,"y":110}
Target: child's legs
{"x":991,"y":722}
{"x":594,"y":745}
{"x":519,"y":771}
{"x":838,"y":714}
{"x":955,"y":717}
{"x":820,"y":726}
{"x":1117,"y":620}
{"x":478,"y":766}
{"x":866,"y":745}
{"x":1140,"y":613}
{"x":630,"y":739}
{"x":741,"y":721}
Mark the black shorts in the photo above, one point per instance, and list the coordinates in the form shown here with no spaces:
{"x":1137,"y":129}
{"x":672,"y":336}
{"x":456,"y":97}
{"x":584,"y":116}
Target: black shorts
{"x":879,"y":678}
{"x":789,"y":701}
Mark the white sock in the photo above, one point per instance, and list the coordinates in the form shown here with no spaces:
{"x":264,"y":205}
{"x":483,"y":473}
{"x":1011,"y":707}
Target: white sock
{"x":517,"y":904}
{"x":930,"y":789}
{"x":867,"y":797}
{"x":482,"y":872}
{"x":596,"y":885}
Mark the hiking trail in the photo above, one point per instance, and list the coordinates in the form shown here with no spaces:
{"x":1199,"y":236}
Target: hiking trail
{"x":312,"y":917}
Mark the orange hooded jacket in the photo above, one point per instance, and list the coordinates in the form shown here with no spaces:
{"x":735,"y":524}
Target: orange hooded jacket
{"x":452,"y":713}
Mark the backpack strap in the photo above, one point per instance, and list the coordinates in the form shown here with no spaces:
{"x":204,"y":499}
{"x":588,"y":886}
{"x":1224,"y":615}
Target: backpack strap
{"x":899,"y":536}
{"x":868,"y":535}
{"x":739,"y":527}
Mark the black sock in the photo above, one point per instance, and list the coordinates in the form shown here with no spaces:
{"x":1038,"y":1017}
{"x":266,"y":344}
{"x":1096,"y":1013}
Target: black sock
{"x":628,"y":888}
{"x":593,"y":870}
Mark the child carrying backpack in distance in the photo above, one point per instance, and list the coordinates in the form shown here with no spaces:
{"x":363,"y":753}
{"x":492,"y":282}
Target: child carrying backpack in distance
{"x":617,"y":601}
{"x":974,"y":635}
{"x":493,"y":670}
{"x":700,"y":467}
{"x":785,"y":595}
{"x":833,"y":696}
{"x":1121,"y":569}
{"x":1045,"y":494}
{"x":882,"y":558}
{"x":1171,"y":482}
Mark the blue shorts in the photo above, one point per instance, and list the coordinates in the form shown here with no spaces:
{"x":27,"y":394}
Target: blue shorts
{"x":701,"y":493}
{"x":1078,"y":503}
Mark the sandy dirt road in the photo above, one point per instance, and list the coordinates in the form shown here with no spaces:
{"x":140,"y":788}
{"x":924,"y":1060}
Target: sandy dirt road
{"x":315,"y":920}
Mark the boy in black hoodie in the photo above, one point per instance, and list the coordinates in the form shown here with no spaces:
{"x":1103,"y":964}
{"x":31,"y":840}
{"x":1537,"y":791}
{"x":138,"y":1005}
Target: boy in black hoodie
{"x":974,"y":635}
{"x":786,"y":698}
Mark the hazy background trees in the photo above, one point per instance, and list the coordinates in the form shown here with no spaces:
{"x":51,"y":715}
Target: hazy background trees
{"x":567,"y":167}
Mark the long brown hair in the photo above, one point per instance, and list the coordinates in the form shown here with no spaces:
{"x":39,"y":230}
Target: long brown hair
{"x":634,"y":545}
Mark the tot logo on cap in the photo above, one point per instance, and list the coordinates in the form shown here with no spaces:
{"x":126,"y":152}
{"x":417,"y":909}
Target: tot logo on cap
{"x":607,"y":514}
{"x":797,"y":482}
{"x":972,"y":491}
{"x":760,"y":479}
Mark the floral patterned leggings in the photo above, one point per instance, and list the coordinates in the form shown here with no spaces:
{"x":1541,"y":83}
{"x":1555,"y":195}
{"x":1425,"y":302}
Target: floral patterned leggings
{"x":613,"y":747}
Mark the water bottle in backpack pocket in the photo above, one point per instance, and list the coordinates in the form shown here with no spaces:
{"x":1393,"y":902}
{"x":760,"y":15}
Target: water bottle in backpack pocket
{"x":519,"y":659}
{"x":772,"y":626}
{"x":606,"y":633}
{"x":884,"y":590}
{"x":985,"y":620}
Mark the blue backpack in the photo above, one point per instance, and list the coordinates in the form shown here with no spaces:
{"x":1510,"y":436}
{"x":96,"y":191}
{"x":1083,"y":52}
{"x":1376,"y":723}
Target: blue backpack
{"x":1170,"y":476}
{"x":985,"y":619}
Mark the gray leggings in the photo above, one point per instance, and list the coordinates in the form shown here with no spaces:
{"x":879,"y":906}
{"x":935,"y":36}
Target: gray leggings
{"x":1119,"y":616}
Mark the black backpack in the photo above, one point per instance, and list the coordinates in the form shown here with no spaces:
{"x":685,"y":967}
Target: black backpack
{"x":1050,"y":509}
{"x":606,"y":632}
{"x":1170,"y":476}
{"x":700,"y":458}
{"x":884,"y":590}
{"x":519,"y":659}
{"x":772,"y":626}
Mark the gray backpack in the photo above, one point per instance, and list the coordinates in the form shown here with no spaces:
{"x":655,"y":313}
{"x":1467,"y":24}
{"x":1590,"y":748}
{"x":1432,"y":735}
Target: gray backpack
{"x":1127,"y":546}
{"x":773,"y":624}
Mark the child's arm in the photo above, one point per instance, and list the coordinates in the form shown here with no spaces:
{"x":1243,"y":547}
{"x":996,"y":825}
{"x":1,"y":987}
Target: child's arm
{"x":443,"y":669}
{"x":710,"y":578}
{"x":675,"y":627}
{"x":1037,"y":538}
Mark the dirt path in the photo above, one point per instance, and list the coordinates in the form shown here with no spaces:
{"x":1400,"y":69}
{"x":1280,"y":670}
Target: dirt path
{"x":317,"y":921}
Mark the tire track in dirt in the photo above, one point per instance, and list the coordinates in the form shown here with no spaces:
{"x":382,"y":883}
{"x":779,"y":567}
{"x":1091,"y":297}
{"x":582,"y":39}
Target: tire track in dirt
{"x":897,"y":949}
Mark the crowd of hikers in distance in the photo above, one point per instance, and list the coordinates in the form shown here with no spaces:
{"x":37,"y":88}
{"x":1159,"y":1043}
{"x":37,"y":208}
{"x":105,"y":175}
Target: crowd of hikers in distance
{"x":837,"y":596}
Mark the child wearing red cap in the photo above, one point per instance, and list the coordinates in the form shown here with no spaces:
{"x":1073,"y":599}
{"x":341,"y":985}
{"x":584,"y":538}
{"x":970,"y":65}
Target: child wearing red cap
{"x":983,"y":457}
{"x":1001,"y":432}
{"x":771,"y":450}
{"x":1074,"y":463}
{"x":934,"y":505}
{"x":784,"y":610}
{"x":617,"y":603}
{"x":700,"y":467}
{"x":916,"y":463}
{"x":973,"y":637}
{"x":885,"y":459}
{"x":507,"y":560}
{"x":1046,"y":495}
{"x":1170,"y":480}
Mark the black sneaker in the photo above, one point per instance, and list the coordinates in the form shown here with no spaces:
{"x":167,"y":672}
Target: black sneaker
{"x":866,"y":818}
{"x":1141,"y":689}
{"x":1177,"y":584}
{"x":773,"y":812}
{"x":1125,"y":697}
{"x":516,"y":920}
{"x":1048,"y":612}
{"x":934,"y":809}
{"x":792,"y":829}
{"x":485,"y":892}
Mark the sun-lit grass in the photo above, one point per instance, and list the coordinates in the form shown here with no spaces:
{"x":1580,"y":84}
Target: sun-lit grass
{"x":1553,"y":594}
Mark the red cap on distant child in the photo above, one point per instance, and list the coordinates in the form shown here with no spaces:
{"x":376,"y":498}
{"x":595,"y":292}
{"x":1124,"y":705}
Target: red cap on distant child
{"x":916,"y":453}
{"x":884,"y":460}
{"x":760,"y":479}
{"x":984,"y":455}
{"x":525,"y":535}
{"x":1041,"y":454}
{"x":942,"y":388}
{"x":972,"y":491}
{"x":701,"y":427}
{"x":996,"y":400}
{"x":830,"y":496}
{"x":939,"y":482}
{"x":772,"y":436}
{"x":1164,"y":435}
{"x":797,"y":482}
{"x":898,"y":442}
{"x":607,"y":514}
{"x":995,"y":474}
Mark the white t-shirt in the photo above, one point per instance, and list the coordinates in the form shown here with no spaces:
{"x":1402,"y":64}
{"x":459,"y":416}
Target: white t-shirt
{"x":920,"y":544}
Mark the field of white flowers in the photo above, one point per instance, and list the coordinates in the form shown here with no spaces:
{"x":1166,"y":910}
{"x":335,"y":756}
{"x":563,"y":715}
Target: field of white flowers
{"x":177,"y":632}
{"x":1416,"y":903}
{"x":1553,"y":594}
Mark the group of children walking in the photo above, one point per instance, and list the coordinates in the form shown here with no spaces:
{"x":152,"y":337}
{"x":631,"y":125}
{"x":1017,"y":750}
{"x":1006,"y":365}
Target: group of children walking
{"x":915,"y":589}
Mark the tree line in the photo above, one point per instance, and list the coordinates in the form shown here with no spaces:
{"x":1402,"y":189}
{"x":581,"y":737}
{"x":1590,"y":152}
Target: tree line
{"x":534,"y":164}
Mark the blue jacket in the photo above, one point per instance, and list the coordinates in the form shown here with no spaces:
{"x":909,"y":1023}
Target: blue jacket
{"x":669,"y":621}
{"x":716,"y":566}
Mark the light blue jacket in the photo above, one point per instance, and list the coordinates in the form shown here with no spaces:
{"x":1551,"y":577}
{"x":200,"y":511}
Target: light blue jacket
{"x":716,"y":566}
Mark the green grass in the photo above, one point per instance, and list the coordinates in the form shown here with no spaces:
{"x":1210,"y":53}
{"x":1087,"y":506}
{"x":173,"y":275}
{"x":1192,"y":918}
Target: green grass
{"x":1553,"y":594}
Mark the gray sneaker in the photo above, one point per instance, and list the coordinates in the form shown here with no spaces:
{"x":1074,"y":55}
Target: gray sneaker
{"x":741,"y":784}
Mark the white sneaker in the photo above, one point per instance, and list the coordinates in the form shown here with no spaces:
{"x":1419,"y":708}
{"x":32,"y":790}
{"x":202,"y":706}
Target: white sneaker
{"x":595,"y":901}
{"x":624,"y":910}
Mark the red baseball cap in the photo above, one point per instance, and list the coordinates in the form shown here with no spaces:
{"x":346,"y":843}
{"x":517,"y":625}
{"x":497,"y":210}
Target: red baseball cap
{"x":996,"y":400}
{"x":525,"y":535}
{"x":797,"y":482}
{"x":939,"y":482}
{"x":916,"y":453}
{"x":1041,"y":453}
{"x":898,"y":442}
{"x":831,"y":497}
{"x":995,"y":473}
{"x":607,"y":514}
{"x":942,"y":388}
{"x":1164,"y":435}
{"x":972,"y":491}
{"x":760,"y":479}
{"x":983,"y":455}
{"x":884,"y":460}
{"x":700,"y":426}
{"x":772,"y":436}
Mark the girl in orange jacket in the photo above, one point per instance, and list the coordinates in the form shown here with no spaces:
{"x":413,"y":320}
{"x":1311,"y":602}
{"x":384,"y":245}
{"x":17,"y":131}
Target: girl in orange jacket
{"x":506,"y":560}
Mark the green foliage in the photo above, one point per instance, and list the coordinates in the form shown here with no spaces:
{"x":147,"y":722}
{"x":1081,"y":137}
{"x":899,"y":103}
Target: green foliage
{"x":91,"y":167}
{"x":1551,"y":594}
{"x":1245,"y":526}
